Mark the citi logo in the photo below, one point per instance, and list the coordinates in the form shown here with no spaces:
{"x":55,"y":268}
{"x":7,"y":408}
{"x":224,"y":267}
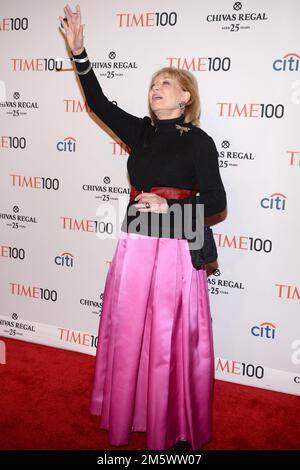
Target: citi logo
{"x":64,"y":260}
{"x":274,"y":201}
{"x":288,"y":63}
{"x":264,"y":330}
{"x":146,"y":20}
{"x":250,"y":110}
{"x":67,"y":145}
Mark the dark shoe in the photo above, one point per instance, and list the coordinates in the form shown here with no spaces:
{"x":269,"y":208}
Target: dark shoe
{"x":182,"y":445}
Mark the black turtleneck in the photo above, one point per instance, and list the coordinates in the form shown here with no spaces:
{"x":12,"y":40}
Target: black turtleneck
{"x":161,"y":154}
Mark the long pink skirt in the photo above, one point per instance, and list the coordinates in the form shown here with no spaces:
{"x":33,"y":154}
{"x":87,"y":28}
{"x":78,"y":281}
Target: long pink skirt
{"x":154,"y":365}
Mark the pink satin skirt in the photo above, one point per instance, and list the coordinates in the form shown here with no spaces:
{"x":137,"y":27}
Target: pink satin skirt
{"x":155,"y":362}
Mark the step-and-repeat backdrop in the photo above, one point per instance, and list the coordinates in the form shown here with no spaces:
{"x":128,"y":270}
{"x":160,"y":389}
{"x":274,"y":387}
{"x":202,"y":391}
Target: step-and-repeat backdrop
{"x":64,"y":183}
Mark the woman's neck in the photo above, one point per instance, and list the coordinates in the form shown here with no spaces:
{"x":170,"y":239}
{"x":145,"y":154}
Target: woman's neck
{"x":167,"y":114}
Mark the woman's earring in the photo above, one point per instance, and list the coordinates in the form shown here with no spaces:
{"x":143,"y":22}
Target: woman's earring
{"x":181,"y":105}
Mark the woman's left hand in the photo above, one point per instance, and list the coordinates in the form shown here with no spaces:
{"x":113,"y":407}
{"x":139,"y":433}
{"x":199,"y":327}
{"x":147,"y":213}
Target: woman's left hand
{"x":155,"y":202}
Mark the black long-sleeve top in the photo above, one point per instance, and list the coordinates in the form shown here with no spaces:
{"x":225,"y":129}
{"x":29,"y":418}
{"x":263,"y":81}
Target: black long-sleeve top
{"x":160,"y":154}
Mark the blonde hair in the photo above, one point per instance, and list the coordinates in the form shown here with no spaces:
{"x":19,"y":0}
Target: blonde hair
{"x":187,"y":82}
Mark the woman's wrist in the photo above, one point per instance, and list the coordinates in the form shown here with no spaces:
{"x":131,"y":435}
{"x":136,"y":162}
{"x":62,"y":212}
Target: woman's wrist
{"x":82,"y":62}
{"x":77,"y":52}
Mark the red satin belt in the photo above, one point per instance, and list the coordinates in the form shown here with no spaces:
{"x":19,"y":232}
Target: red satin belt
{"x":165,"y":191}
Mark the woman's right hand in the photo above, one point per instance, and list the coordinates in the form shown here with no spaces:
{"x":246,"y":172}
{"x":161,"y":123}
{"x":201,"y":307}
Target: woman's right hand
{"x":73,"y":29}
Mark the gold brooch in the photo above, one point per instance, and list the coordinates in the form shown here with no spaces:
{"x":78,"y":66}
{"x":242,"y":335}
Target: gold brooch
{"x":182,"y":128}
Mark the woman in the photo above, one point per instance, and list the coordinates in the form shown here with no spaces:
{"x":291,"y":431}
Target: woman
{"x":154,"y":364}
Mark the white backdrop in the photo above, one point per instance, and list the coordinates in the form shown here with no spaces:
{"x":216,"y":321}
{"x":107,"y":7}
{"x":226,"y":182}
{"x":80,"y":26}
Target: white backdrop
{"x":58,"y":168}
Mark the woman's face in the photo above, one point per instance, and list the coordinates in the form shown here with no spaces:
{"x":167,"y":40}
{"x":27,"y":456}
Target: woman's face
{"x":165,"y":94}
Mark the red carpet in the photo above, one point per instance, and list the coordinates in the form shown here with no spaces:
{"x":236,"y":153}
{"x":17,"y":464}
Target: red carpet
{"x":45,"y":396}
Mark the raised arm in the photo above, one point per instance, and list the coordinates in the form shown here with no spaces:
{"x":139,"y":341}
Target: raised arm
{"x":126,"y":126}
